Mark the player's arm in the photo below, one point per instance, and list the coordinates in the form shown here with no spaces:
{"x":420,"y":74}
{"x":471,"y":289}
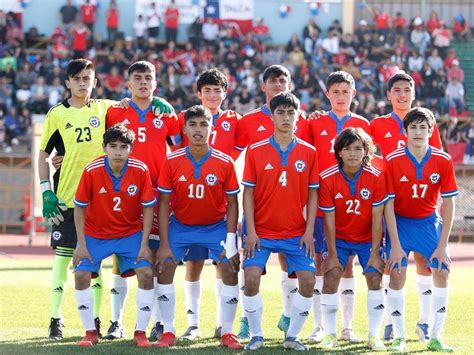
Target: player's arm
{"x":375,"y":259}
{"x":230,"y":247}
{"x":251,"y":239}
{"x":308,"y":237}
{"x":331,"y":261}
{"x":81,"y":251}
{"x":441,"y":253}
{"x":145,"y":252}
{"x":164,"y":252}
{"x":397,"y":254}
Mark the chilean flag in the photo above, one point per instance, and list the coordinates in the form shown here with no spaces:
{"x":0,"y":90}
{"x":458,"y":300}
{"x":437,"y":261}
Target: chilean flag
{"x":237,"y":13}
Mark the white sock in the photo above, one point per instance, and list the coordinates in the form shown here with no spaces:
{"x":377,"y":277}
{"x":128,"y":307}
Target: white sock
{"x":218,"y":292}
{"x":347,"y":294}
{"x":229,"y":300}
{"x":424,"y":286}
{"x":144,"y":308}
{"x":166,"y":300}
{"x":156,"y":306}
{"x":253,"y":308}
{"x":85,"y":302}
{"x":289,"y":288}
{"x":375,"y":309}
{"x":241,"y":291}
{"x":387,"y":318}
{"x":192,"y":297}
{"x":329,"y":306}
{"x":396,"y":305}
{"x":299,"y":313}
{"x":318,"y":290}
{"x":118,"y":295}
{"x":439,"y":304}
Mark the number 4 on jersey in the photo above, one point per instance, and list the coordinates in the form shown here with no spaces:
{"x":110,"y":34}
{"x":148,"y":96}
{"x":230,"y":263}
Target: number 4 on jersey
{"x":282,"y":179}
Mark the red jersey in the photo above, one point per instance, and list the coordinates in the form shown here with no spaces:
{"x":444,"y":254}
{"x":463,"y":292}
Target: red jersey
{"x":388,"y":133}
{"x":88,"y":13}
{"x":199,"y":188}
{"x":152,"y":134}
{"x":171,"y":17}
{"x":382,"y":21}
{"x":224,"y":132}
{"x":257,"y":125}
{"x":416,"y":186}
{"x":113,"y":204}
{"x":352,"y":200}
{"x":113,"y":18}
{"x":281,"y":182}
{"x":323,"y":132}
{"x":79,"y":38}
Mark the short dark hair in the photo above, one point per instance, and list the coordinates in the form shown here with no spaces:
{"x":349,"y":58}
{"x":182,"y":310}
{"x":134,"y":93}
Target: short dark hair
{"x":400,"y":75}
{"x":197,"y":111}
{"x":340,"y":77}
{"x":212,"y":77}
{"x":75,"y":66}
{"x":285,"y":99}
{"x":119,"y":132}
{"x":274,"y":71}
{"x":350,"y":135}
{"x":418,"y":115}
{"x":141,"y":67}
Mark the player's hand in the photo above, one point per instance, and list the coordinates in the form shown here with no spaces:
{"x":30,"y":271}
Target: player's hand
{"x":331,"y":262}
{"x":307,"y":241}
{"x":252,"y":241}
{"x":160,"y":106}
{"x":397,"y":254}
{"x":144,"y":254}
{"x":234,"y":261}
{"x":376,"y":262}
{"x":57,"y":161}
{"x":315,"y":115}
{"x":164,"y":252}
{"x":80,"y":253}
{"x":124,"y":103}
{"x":442,"y":254}
{"x":52,"y":208}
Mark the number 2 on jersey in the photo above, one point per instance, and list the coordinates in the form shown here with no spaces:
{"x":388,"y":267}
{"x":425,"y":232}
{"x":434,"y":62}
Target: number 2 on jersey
{"x":117,"y":202}
{"x":353,"y":206}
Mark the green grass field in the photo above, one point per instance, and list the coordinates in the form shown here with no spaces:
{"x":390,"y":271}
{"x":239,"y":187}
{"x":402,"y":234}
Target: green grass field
{"x":24,"y":302}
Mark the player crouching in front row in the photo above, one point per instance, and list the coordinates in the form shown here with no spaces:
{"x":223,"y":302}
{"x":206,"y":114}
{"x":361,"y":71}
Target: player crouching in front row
{"x":109,"y":200}
{"x":352,"y":196}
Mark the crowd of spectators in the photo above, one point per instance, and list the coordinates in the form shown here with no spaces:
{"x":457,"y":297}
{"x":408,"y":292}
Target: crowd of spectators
{"x":32,"y":68}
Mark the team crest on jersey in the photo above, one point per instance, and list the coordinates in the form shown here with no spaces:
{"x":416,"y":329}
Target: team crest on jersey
{"x":56,"y":235}
{"x":211,"y":179}
{"x":132,"y":190}
{"x":434,"y":178}
{"x":365,"y":193}
{"x":225,"y":126}
{"x":300,"y":166}
{"x":158,"y":123}
{"x":94,"y":121}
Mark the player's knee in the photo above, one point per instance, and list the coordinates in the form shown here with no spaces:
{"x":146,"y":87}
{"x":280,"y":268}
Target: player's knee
{"x":374,"y":280}
{"x":82,"y":279}
{"x":145,"y":277}
{"x":193,"y":270}
{"x":349,"y":271}
{"x":306,"y":283}
{"x":331,"y":280}
{"x":440,"y":277}
{"x":397,"y":279}
{"x":252,"y":284}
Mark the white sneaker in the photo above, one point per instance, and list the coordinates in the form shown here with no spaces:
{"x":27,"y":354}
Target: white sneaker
{"x":294,"y":344}
{"x":348,"y":335}
{"x":191,"y":334}
{"x":316,"y":336}
{"x":375,"y":344}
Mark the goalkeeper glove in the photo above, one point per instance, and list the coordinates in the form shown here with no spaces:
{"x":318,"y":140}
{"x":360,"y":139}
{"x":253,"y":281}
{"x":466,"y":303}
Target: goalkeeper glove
{"x":160,"y":106}
{"x":52,"y":205}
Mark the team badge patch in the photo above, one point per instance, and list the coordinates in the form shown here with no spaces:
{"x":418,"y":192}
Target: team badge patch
{"x":56,"y":235}
{"x":132,"y":190}
{"x":94,"y":121}
{"x":434,"y":178}
{"x":300,"y":166}
{"x":225,"y":126}
{"x":365,"y":193}
{"x":211,"y":179}
{"x":158,"y":123}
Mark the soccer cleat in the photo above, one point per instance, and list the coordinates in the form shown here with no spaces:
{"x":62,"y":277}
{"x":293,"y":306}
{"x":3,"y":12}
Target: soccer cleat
{"x":229,"y":340}
{"x":284,"y":324}
{"x":156,"y":332}
{"x":422,"y":331}
{"x":348,"y":335}
{"x":244,"y":330}
{"x":91,"y":338}
{"x":166,"y":340}
{"x":437,"y":345}
{"x":115,"y":331}
{"x":399,"y":345}
{"x":375,"y":344}
{"x":56,"y":329}
{"x":329,"y":341}
{"x":294,"y":344}
{"x":97,"y":324}
{"x":316,"y":336}
{"x":217,"y":332}
{"x":191,"y":334}
{"x":388,"y":332}
{"x":255,"y":343}
{"x":140,"y":340}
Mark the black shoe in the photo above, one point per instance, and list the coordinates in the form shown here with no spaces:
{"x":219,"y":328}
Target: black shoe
{"x":217,"y":333}
{"x":156,"y":332}
{"x":56,"y":329}
{"x":97,"y":326}
{"x":115,"y":331}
